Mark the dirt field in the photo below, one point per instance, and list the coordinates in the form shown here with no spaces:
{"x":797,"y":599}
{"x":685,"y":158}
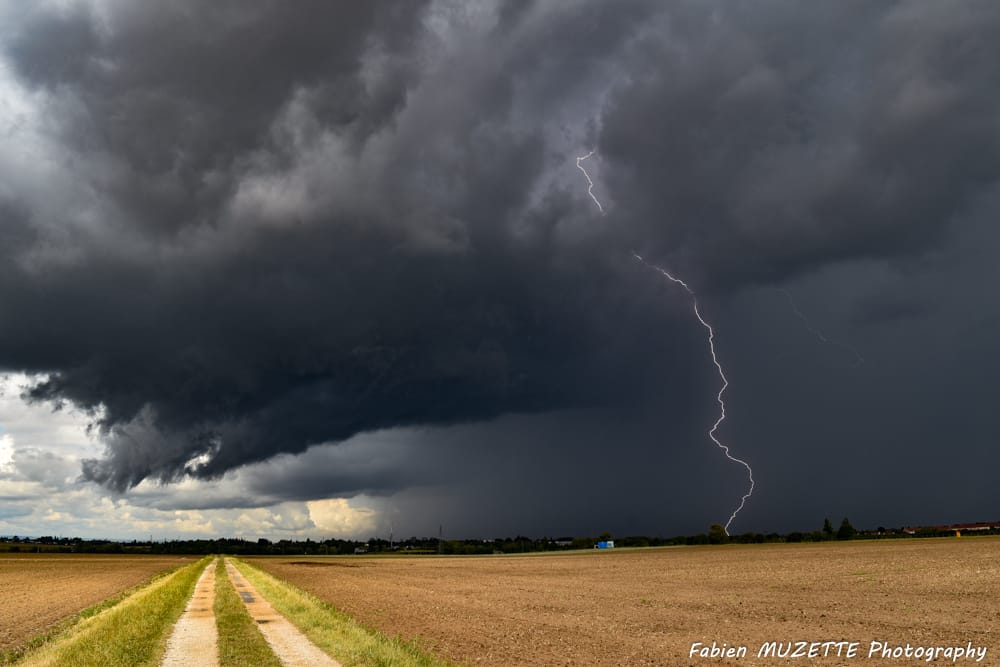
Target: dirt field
{"x":647,"y":607}
{"x":39,"y":590}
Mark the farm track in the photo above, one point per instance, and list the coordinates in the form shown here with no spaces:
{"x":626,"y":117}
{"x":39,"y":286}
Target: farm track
{"x":194,"y":640}
{"x":191,"y":641}
{"x":292,"y":647}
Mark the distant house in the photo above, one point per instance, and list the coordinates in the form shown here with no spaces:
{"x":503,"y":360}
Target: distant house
{"x":957,"y":528}
{"x":994,"y":525}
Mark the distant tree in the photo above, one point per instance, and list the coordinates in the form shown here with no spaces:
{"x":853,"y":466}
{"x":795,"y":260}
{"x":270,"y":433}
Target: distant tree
{"x":604,"y":537}
{"x":827,"y":527}
{"x":717,"y":534}
{"x":846,"y":530}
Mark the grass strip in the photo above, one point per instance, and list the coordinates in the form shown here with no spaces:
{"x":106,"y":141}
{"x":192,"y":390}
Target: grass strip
{"x":132,"y":632}
{"x":240,"y":642}
{"x":12,"y":655}
{"x":335,"y":632}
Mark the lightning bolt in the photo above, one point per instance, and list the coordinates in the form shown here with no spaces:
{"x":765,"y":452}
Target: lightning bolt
{"x":722,"y":389}
{"x":711,"y":348}
{"x":590,"y":183}
{"x":819,"y":334}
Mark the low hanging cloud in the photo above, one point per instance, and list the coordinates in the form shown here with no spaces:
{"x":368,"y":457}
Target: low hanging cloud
{"x":244,"y":230}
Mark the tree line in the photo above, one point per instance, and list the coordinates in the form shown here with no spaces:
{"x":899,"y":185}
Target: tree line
{"x":432,"y":545}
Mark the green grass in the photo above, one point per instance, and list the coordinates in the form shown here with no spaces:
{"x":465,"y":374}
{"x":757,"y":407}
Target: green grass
{"x":333,"y":631}
{"x":133,"y":632}
{"x":240,"y":642}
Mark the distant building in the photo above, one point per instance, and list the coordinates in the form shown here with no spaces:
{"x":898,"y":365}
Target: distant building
{"x":605,"y":544}
{"x":994,"y":525}
{"x":971,"y":527}
{"x":956,"y":528}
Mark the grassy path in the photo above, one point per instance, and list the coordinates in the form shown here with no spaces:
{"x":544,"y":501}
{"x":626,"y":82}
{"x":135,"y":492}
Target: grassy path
{"x":240,"y":642}
{"x":336,"y":633}
{"x":291,"y":646}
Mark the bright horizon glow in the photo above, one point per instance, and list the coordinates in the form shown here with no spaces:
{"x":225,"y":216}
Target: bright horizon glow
{"x":40,"y":454}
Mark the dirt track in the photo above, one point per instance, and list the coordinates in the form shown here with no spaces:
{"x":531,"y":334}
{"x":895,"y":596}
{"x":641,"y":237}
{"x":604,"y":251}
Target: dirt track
{"x":194,"y":639}
{"x":39,"y":590}
{"x":648,"y":606}
{"x":292,"y":647}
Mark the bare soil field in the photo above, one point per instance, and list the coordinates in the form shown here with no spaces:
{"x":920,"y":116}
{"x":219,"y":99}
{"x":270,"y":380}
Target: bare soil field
{"x":39,"y":590}
{"x":647,"y":607}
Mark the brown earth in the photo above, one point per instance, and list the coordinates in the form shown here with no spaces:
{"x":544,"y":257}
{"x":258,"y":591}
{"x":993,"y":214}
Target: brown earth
{"x":647,"y":607}
{"x":39,"y":590}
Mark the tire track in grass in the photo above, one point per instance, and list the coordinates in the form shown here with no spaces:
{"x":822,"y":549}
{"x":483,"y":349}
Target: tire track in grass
{"x":332,"y":630}
{"x":195,"y":640}
{"x":291,"y":646}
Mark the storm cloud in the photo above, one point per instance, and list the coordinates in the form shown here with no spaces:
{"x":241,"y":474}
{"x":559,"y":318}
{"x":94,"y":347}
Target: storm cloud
{"x":232,"y":232}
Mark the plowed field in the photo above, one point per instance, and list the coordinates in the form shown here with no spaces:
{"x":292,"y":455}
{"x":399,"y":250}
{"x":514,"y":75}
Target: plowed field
{"x":39,"y":590}
{"x":647,"y":607}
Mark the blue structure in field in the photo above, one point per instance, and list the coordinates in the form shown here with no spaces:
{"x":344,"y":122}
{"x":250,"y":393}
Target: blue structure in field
{"x":610,"y":544}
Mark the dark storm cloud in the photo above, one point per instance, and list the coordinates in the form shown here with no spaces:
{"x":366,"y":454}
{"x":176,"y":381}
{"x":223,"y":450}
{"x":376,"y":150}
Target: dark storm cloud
{"x":171,"y":97}
{"x":754,"y":141}
{"x":889,"y":307}
{"x":275,"y":263}
{"x":268,"y":228}
{"x":511,"y":474}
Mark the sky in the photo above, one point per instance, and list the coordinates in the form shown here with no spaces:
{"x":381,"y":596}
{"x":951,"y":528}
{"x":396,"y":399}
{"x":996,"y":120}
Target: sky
{"x":331,"y":270}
